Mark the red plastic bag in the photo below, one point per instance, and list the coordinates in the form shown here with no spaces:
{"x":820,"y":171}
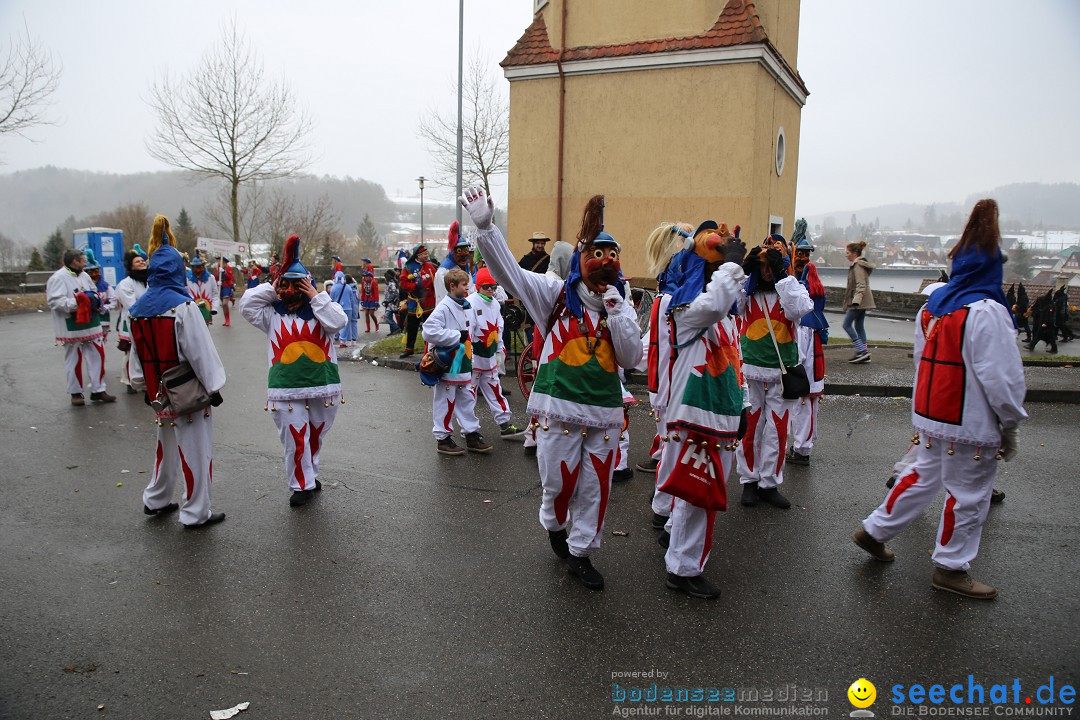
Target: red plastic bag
{"x":698,"y":476}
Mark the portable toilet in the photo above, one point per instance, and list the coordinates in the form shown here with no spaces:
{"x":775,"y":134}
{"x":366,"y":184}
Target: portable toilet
{"x":108,"y":247}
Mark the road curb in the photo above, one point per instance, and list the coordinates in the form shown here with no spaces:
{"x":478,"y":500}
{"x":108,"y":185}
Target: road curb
{"x":1068,"y":397}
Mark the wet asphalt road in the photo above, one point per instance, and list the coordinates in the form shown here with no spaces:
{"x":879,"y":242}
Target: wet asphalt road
{"x":399,"y":592}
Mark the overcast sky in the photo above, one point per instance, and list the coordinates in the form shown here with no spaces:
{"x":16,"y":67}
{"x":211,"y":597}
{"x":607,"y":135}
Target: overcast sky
{"x":910,"y":101}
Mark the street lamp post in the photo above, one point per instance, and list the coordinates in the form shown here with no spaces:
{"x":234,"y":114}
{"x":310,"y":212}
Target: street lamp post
{"x":421,"y":180}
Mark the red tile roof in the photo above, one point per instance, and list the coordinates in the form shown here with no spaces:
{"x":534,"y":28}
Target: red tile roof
{"x":738,"y":24}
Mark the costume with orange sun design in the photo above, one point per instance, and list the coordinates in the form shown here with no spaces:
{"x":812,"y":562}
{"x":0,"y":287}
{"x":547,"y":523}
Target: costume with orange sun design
{"x":202,"y":286}
{"x":702,"y":411}
{"x":576,"y":397}
{"x":303,"y":380}
{"x":486,"y":326}
{"x":455,"y":397}
{"x":83,"y":342}
{"x":761,"y":456}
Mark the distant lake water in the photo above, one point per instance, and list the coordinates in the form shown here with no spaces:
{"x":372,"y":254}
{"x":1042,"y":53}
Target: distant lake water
{"x":898,"y":280}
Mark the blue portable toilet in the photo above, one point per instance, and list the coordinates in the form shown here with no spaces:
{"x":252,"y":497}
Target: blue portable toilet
{"x":108,"y":247}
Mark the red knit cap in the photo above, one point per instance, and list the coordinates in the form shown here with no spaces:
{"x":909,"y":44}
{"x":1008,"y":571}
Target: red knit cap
{"x":483,"y":277}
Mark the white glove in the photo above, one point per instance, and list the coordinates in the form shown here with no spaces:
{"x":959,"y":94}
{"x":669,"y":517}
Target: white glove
{"x":613,"y":301}
{"x":479,"y":206}
{"x":1010,"y":443}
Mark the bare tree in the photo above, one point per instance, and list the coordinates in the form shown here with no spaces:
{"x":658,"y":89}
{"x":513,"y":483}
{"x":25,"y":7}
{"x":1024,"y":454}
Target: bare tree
{"x":485,"y":132}
{"x":316,"y":222}
{"x":28,"y":78}
{"x":134,"y":219}
{"x":224,"y":120}
{"x":248,"y":211}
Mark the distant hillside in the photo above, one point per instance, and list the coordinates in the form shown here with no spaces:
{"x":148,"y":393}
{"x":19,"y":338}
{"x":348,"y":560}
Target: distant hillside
{"x":1028,"y":205}
{"x":33,"y":203}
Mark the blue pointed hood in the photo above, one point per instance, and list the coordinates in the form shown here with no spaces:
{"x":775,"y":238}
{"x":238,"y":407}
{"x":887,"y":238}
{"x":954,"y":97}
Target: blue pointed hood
{"x":165,"y":284}
{"x":976,"y":274}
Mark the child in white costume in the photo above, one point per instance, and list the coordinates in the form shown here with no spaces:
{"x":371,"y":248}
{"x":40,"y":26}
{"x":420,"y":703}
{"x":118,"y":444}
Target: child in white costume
{"x":168,"y":330}
{"x":966,"y":406}
{"x":446,"y":331}
{"x":74,"y":302}
{"x":771,"y":299}
{"x":203,"y":287}
{"x":486,"y":328}
{"x":303,"y":380}
{"x":128,"y":292}
{"x":589,"y":331}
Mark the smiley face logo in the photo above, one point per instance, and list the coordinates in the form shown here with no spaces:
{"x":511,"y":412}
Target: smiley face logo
{"x":862,"y":693}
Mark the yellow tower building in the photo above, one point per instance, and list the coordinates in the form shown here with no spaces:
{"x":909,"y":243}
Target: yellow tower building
{"x":682,"y":110}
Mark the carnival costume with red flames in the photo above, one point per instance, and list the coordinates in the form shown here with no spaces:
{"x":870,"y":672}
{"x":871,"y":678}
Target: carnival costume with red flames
{"x":589,"y":331}
{"x":303,"y":381}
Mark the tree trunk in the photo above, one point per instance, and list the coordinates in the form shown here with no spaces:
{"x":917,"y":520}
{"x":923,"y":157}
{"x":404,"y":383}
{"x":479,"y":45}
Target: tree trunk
{"x":234,"y":209}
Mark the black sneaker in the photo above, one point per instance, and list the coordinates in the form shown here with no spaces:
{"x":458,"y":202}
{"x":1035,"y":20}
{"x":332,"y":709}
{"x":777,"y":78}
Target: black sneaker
{"x":794,"y":458}
{"x":557,"y":538}
{"x":648,"y":466}
{"x":318,"y":485}
{"x":622,"y":475}
{"x":131,"y":390}
{"x":214,"y":519}
{"x":581,"y":568}
{"x":664,"y":539}
{"x":749,"y":494}
{"x":161,"y":511}
{"x":474,"y":441}
{"x":659,"y":521}
{"x":773,"y":497}
{"x":509,"y":430}
{"x":447,"y":446}
{"x":890,"y":482}
{"x":407,"y":353}
{"x":860,"y":358}
{"x":300,"y":497}
{"x":696,"y":586}
{"x":997,"y":496}
{"x":530,"y":451}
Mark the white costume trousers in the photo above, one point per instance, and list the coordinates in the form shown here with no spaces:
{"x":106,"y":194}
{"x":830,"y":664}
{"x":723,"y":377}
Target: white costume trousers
{"x":575,"y":472}
{"x":89,"y":358}
{"x":184,"y":450}
{"x":303,"y":431}
{"x":804,"y":424}
{"x":691,"y":527}
{"x":968,"y":483}
{"x":624,"y":450}
{"x":661,"y":501}
{"x":487,"y":382}
{"x":530,"y":434}
{"x":453,"y":401}
{"x":761,"y":453}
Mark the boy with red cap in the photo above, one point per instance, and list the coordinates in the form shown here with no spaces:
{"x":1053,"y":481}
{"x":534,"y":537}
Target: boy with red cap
{"x":486,"y":328}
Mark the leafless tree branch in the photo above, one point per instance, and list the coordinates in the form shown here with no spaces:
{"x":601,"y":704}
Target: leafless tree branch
{"x":28,"y":77}
{"x":226,"y":120}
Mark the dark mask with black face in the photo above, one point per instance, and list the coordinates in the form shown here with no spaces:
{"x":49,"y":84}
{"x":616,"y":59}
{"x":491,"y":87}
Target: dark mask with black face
{"x":139,"y":275}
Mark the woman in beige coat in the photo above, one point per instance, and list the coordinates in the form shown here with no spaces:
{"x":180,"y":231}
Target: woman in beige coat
{"x":858,"y":299}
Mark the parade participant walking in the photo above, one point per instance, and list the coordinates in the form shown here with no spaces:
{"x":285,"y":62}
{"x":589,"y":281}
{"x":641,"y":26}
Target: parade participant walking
{"x":169,"y":333}
{"x":486,"y":327}
{"x":369,"y":300}
{"x":967,"y":404}
{"x":459,"y":254}
{"x":447,"y":332}
{"x":74,"y":302}
{"x":536,"y":260}
{"x":1061,"y":309}
{"x":128,"y":292}
{"x":203,"y":288}
{"x":226,"y":282}
{"x":589,"y":331}
{"x":303,"y":381}
{"x":704,"y":412}
{"x":418,"y":283}
{"x":770,"y":307}
{"x":813,"y":334}
{"x":343,"y":292}
{"x":1044,"y":323}
{"x":252,"y":274}
{"x":1020,"y":313}
{"x":858,"y":298}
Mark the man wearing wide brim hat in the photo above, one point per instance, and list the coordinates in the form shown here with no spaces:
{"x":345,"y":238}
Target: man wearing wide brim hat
{"x":537,"y":259}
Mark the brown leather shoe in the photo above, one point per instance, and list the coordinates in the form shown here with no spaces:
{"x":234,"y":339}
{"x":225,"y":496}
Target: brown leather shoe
{"x":961,"y":583}
{"x":77,"y":399}
{"x":877,"y":550}
{"x":102,"y":397}
{"x":475,"y":443}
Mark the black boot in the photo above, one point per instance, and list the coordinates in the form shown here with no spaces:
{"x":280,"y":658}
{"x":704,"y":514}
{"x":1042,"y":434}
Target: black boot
{"x":582,"y":569}
{"x":773,"y":497}
{"x":749,"y":494}
{"x":695,"y":586}
{"x":557,"y":538}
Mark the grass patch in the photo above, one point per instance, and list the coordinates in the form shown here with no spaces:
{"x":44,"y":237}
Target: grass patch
{"x":1052,"y":358}
{"x":392,"y":345}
